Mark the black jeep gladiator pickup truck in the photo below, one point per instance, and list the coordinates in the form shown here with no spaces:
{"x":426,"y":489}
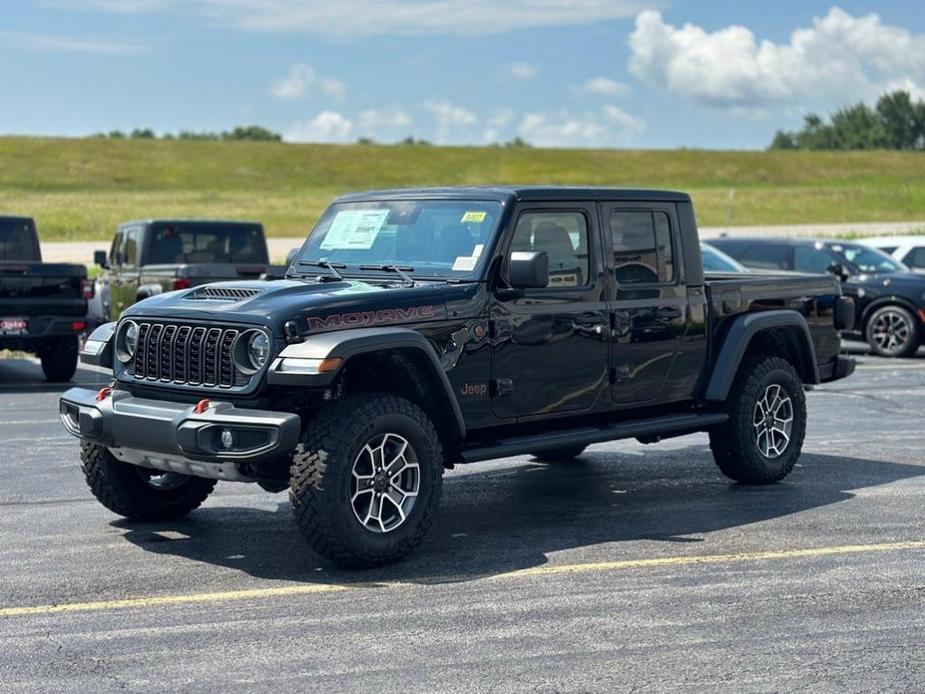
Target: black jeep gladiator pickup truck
{"x":161,"y":255}
{"x":43,"y":306}
{"x":420,"y":329}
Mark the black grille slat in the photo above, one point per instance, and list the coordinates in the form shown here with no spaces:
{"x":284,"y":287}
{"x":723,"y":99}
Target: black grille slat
{"x":187,"y":355}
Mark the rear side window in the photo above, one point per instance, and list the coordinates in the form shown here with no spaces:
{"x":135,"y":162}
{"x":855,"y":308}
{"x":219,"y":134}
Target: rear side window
{"x":17,"y":240}
{"x":889,"y":250}
{"x":770,"y":256}
{"x":915,"y":258}
{"x":642,"y":247}
{"x":564,"y":238}
{"x":811,"y":260}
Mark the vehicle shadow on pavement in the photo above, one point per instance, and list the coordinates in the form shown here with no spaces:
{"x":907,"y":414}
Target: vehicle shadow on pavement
{"x":512,"y":517}
{"x":25,"y":375}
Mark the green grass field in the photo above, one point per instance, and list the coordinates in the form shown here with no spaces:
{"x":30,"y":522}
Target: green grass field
{"x":79,"y":189}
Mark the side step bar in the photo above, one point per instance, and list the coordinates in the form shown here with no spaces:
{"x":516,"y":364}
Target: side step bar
{"x":673,"y":425}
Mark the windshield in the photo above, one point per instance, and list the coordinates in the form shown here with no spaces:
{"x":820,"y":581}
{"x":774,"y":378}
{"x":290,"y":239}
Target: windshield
{"x":17,"y":240}
{"x":866,"y":259}
{"x":717,"y":261}
{"x":189,"y":242}
{"x":437,"y":238}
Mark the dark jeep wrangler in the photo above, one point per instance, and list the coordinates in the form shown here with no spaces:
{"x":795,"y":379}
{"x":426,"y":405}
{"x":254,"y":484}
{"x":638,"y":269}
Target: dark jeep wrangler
{"x":420,"y":329}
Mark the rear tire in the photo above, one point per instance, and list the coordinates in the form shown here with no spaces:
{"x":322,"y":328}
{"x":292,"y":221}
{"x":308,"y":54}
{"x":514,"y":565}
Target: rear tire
{"x":763,"y":438}
{"x":892,"y":331}
{"x":356,"y":451}
{"x":59,"y":358}
{"x":559,"y":455}
{"x":131,"y":491}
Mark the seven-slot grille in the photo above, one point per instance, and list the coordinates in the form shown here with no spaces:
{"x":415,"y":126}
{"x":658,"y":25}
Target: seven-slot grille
{"x":185,"y":354}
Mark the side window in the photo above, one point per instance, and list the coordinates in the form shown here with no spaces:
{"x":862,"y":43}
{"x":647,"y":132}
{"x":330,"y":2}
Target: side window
{"x":642,"y":247}
{"x":811,"y":260}
{"x":115,"y":251}
{"x":767,"y":256}
{"x":564,"y":237}
{"x":130,"y":248}
{"x":915,"y":258}
{"x":889,"y":250}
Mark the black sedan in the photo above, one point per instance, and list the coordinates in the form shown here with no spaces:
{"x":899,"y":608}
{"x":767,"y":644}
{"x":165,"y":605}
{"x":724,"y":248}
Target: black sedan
{"x":889,"y":299}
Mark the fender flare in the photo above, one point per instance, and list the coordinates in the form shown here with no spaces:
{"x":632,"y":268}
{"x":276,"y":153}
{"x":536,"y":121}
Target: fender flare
{"x":880,"y":302}
{"x":739,"y":336}
{"x":344,"y":344}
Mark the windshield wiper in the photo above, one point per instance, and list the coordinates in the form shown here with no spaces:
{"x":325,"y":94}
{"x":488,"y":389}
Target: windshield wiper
{"x":324,"y":265}
{"x":400,"y":271}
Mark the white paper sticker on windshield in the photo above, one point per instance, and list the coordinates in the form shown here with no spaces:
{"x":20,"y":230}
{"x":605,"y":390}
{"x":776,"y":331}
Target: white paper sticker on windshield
{"x":354,"y":230}
{"x":477,"y":251}
{"x":464,"y":263}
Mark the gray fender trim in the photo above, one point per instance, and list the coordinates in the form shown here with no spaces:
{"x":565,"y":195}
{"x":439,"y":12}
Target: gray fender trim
{"x":738,"y":337}
{"x":345,"y":344}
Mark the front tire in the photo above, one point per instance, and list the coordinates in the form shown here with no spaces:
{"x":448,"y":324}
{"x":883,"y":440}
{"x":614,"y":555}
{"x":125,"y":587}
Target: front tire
{"x":763,"y":438}
{"x":893,"y":331}
{"x":59,"y":358}
{"x":366,"y":480}
{"x":138,"y":493}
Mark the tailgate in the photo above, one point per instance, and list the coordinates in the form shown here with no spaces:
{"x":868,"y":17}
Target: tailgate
{"x":36,"y":289}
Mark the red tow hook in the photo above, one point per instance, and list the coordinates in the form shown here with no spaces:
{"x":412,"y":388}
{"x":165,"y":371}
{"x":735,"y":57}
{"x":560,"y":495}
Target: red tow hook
{"x":103,"y":393}
{"x":202,"y":406}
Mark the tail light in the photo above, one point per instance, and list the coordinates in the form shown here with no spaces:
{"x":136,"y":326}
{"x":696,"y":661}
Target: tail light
{"x":182,"y":283}
{"x":87,"y":289}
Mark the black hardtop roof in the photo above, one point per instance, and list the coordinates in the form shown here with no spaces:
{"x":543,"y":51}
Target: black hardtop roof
{"x":16,"y":217}
{"x":538,"y":193}
{"x":793,"y":241}
{"x":191,"y":220}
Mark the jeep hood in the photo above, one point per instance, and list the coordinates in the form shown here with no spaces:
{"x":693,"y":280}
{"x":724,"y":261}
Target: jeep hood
{"x":314,"y":306}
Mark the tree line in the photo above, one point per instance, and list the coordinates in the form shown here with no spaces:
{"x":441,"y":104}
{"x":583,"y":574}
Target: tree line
{"x":256,"y":133}
{"x":895,"y":122}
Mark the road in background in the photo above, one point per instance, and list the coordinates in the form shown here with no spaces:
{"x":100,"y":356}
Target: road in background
{"x":634,"y":568}
{"x":82,"y":252}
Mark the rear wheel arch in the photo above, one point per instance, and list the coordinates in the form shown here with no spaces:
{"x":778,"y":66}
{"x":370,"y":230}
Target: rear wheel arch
{"x":883,"y":302}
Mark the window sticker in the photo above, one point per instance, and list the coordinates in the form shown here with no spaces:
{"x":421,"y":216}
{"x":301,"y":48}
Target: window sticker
{"x":477,"y":251}
{"x":354,"y":230}
{"x":464,"y":263}
{"x":474,"y":217}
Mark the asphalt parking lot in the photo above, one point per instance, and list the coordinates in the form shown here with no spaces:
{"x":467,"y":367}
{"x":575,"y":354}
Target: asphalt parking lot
{"x":637,"y":568}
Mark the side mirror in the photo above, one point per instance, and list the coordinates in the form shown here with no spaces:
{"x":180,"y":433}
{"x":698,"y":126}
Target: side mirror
{"x":839,"y":270}
{"x":529,"y":269}
{"x":99,"y":258}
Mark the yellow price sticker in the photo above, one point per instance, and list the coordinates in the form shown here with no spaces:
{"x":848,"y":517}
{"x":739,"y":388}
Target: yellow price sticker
{"x":474,"y":217}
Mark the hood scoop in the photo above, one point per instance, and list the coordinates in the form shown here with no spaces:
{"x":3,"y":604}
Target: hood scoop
{"x":222,"y":294}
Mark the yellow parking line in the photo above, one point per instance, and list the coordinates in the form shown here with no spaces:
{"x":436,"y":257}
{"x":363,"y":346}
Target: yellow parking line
{"x":545,"y":570}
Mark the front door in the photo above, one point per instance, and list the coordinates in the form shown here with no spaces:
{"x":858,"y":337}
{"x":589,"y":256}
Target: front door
{"x":650,"y":303}
{"x":123,"y":282}
{"x":549,"y":349}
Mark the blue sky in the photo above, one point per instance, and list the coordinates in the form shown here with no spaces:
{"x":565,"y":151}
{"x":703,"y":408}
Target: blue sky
{"x":621,"y":73}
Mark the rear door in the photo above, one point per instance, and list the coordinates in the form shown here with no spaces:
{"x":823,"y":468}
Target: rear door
{"x":549,"y":350}
{"x":650,"y":313}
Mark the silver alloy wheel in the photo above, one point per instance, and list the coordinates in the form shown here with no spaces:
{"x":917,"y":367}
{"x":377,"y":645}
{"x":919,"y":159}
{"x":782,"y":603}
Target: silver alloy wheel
{"x":773,"y":421}
{"x":162,"y":481}
{"x":891,"y":331}
{"x":386,"y":479}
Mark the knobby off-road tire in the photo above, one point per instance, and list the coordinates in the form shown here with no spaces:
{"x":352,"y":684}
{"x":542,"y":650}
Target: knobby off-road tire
{"x":750,"y":448}
{"x":329,"y":479}
{"x":893,"y":331}
{"x":59,"y":358}
{"x":126,"y":489}
{"x":559,"y":455}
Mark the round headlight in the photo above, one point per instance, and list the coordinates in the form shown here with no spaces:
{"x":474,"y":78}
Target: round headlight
{"x":127,"y":341}
{"x":258,"y":350}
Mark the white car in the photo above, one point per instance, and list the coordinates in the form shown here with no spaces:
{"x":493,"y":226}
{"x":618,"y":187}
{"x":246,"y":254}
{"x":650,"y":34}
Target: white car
{"x":909,"y":250}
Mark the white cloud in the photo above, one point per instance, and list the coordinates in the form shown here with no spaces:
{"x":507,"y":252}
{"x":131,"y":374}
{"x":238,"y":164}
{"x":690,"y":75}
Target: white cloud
{"x":609,"y":127}
{"x":301,"y":79}
{"x":840,"y":58}
{"x":378,"y":17}
{"x":604,"y":86}
{"x":454,"y":123}
{"x":384,"y":125}
{"x":327,"y":126}
{"x":500,"y":118}
{"x":70,"y":44}
{"x":523,"y":71}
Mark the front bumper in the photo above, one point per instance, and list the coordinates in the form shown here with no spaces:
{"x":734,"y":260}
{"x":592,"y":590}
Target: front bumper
{"x":838,"y":368}
{"x":176,"y":431}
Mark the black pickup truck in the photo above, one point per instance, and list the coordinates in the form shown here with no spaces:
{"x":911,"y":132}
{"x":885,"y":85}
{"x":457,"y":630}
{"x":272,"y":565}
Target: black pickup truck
{"x":43,"y":306}
{"x":420,"y":329}
{"x":160,"y":255}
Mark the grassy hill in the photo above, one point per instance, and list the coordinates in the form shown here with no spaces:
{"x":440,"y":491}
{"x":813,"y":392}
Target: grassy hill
{"x":81,"y":188}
